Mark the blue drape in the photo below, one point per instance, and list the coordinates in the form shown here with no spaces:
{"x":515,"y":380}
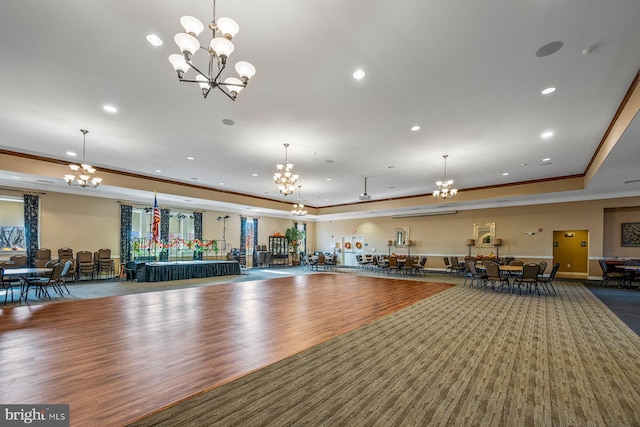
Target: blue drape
{"x":197,"y":231}
{"x":243,"y":235}
{"x":165,"y":216}
{"x":126,"y":215}
{"x":31,"y":203}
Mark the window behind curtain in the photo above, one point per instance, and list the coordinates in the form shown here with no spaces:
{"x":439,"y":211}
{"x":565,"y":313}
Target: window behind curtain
{"x":12,"y":234}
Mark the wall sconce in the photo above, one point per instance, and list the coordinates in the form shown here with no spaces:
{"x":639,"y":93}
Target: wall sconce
{"x":497,"y":243}
{"x":470,"y":242}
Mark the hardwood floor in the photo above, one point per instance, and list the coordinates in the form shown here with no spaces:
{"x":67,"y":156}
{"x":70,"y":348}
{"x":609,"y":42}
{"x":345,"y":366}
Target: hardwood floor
{"x":116,"y":359}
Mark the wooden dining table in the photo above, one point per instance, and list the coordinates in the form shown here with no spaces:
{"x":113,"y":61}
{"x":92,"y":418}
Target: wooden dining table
{"x":509,"y":268}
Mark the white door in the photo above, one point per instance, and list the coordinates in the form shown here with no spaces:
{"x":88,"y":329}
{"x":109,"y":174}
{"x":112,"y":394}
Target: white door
{"x":352,"y":246}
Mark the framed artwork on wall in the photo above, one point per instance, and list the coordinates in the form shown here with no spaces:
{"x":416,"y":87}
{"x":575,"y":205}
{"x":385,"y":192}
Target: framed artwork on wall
{"x":631,"y":234}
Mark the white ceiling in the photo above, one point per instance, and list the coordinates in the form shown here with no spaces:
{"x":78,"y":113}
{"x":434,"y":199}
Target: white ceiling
{"x":466,"y":72}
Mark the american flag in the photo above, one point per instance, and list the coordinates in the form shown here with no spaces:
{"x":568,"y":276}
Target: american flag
{"x":155,"y":228}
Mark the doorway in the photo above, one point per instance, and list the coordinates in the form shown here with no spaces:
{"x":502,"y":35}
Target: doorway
{"x":351,"y":247}
{"x":571,"y":250}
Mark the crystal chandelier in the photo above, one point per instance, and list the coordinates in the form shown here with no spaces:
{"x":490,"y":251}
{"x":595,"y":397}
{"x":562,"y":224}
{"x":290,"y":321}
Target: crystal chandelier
{"x":82,"y":175}
{"x":285,"y":178}
{"x":298,"y":208}
{"x":219,"y":49}
{"x":445,"y":189}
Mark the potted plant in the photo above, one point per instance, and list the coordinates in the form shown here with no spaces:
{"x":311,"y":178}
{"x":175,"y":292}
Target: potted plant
{"x":294,"y":236}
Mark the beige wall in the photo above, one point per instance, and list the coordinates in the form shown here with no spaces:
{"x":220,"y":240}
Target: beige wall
{"x":80,"y":223}
{"x":90,"y":223}
{"x":614,"y":218}
{"x":436,"y":236}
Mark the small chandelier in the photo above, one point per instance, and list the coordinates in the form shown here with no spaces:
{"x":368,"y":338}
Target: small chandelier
{"x":82,"y":175}
{"x":285,"y":179}
{"x":444,"y":190}
{"x":298,"y":208}
{"x":219,"y":49}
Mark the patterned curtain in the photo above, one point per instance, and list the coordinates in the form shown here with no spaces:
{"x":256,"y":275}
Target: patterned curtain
{"x":304,"y":229}
{"x":165,"y":216}
{"x":243,"y":235}
{"x":31,"y":203}
{"x":255,"y":232}
{"x":126,"y":214}
{"x":197,"y":231}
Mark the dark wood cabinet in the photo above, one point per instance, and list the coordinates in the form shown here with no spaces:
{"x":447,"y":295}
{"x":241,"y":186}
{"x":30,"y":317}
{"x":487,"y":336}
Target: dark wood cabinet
{"x":279,"y":248}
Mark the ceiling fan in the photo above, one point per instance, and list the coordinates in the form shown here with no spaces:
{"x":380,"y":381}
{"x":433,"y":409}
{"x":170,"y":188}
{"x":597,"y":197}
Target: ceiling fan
{"x":365,"y":196}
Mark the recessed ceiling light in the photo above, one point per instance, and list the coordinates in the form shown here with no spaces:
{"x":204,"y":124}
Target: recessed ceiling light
{"x":548,"y":90}
{"x":154,"y":39}
{"x":110,"y":109}
{"x":391,"y":167}
{"x":358,"y":75}
{"x":228,"y":122}
{"x":221,"y":183}
{"x":546,"y":159}
{"x":415,"y":128}
{"x":191,"y":158}
{"x":505,"y":173}
{"x":15,"y":177}
{"x":254,"y":174}
{"x":328,"y":179}
{"x":158,"y":171}
{"x":523,"y":164}
{"x":546,"y":135}
{"x":71,"y":153}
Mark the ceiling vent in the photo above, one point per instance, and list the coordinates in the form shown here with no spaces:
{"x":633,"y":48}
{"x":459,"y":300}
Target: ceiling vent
{"x":365,"y":196}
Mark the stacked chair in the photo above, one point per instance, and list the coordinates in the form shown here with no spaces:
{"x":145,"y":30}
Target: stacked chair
{"x":43,"y":256}
{"x":64,"y":255}
{"x":19,"y":261}
{"x":84,"y":264}
{"x":104,"y":263}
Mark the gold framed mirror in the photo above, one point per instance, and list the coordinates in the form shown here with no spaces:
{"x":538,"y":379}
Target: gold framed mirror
{"x":401,"y":236}
{"x":484,"y":234}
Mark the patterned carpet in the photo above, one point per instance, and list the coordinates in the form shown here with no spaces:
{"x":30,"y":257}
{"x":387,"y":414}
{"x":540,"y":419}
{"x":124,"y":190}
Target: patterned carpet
{"x":463,"y":357}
